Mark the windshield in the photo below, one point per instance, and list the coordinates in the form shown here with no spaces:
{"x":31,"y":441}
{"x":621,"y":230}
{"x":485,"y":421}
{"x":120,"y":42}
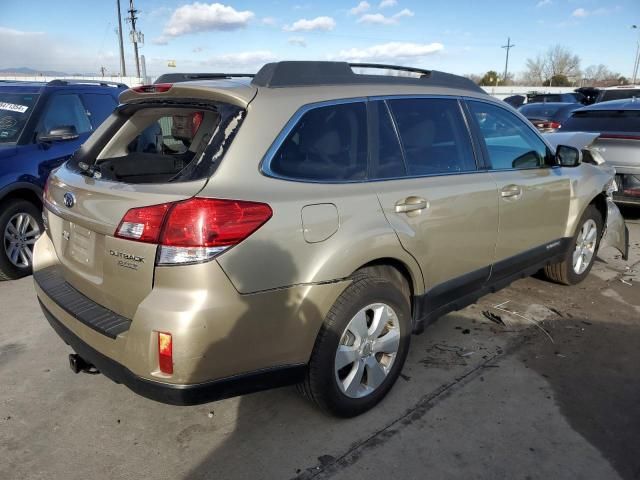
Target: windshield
{"x":15,"y":109}
{"x":603,"y":121}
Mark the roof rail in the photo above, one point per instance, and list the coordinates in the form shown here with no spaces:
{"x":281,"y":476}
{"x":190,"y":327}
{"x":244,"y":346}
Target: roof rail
{"x":80,"y":81}
{"x":187,"y":77}
{"x":309,"y":73}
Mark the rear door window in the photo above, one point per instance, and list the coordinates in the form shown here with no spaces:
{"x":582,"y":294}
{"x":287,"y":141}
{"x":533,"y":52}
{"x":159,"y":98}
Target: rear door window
{"x":65,"y":110}
{"x":434,"y":136}
{"x":328,"y":144}
{"x":99,"y":106}
{"x":510,"y":142}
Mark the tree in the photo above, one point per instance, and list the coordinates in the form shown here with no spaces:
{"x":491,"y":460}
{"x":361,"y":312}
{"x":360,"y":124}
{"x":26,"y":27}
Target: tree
{"x":557,"y":81}
{"x":490,"y":79}
{"x":601,"y":76}
{"x":557,"y":61}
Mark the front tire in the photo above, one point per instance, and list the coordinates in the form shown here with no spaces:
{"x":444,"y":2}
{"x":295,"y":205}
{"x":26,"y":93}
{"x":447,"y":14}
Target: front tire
{"x":582,"y":254}
{"x":20,"y":227}
{"x":362,"y":345}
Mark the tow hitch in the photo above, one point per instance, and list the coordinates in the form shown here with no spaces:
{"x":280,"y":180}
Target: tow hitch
{"x":79,"y":364}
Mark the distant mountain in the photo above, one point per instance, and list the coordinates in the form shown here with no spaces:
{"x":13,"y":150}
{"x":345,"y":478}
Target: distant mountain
{"x":31,"y":72}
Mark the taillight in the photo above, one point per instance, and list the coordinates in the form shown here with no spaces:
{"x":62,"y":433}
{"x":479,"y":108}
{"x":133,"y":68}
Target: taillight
{"x":193,"y":230}
{"x":196,"y":120}
{"x":548,"y":125}
{"x":143,"y":224}
{"x":155,"y":88}
{"x":165,"y":353}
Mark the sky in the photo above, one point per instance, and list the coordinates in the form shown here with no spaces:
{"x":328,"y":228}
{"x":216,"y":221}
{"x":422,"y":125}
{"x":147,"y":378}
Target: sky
{"x":458,"y":36}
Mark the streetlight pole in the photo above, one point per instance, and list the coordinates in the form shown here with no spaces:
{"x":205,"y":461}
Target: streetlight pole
{"x":636,"y":63}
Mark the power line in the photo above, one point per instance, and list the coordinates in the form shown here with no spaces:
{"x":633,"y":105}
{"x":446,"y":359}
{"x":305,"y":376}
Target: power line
{"x":508,"y":47}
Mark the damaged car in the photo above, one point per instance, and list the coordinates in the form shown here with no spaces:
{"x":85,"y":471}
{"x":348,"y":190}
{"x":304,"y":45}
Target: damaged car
{"x":299,"y":225}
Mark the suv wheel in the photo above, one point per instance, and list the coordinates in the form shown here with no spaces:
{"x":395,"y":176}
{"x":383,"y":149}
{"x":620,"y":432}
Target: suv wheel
{"x":362,"y":346}
{"x":580,"y":257}
{"x":20,"y":226}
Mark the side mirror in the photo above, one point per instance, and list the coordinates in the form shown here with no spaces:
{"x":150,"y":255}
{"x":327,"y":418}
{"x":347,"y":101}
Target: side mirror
{"x":59,"y":134}
{"x":568,"y":156}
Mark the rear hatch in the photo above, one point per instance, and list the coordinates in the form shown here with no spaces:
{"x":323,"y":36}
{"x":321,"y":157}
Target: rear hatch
{"x":156,"y":149}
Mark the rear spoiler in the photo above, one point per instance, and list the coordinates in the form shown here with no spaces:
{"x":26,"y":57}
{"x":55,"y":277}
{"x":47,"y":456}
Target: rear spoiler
{"x":156,"y":92}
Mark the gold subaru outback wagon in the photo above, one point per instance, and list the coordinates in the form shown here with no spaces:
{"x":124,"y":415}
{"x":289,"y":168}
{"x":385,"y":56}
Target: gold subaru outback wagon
{"x":223,"y":234}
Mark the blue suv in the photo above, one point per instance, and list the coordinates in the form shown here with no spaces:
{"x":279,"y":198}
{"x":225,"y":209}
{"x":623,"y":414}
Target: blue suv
{"x":41,"y":125}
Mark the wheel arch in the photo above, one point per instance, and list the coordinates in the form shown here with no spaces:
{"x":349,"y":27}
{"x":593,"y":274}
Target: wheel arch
{"x":23,"y":191}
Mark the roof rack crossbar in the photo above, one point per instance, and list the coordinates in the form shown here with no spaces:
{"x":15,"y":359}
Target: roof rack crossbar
{"x":186,"y":77}
{"x":80,"y":81}
{"x":314,"y":73}
{"x":399,"y":68}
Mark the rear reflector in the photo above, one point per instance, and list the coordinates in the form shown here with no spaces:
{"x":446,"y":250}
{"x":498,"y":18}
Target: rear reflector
{"x":194,"y":230}
{"x":165,"y":353}
{"x":155,"y":88}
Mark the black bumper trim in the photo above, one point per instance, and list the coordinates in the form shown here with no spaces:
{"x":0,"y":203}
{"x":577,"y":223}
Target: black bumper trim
{"x":80,"y":307}
{"x":178,"y":394}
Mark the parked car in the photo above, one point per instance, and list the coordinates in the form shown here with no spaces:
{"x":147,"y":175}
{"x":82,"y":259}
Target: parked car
{"x":618,"y":123}
{"x":515,"y":100}
{"x":548,"y":117}
{"x":569,"y":97}
{"x":590,"y":94}
{"x":41,"y":125}
{"x":618,"y":93}
{"x":298,"y":226}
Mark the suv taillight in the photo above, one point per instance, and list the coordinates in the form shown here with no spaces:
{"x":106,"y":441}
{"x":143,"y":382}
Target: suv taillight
{"x":193,"y":230}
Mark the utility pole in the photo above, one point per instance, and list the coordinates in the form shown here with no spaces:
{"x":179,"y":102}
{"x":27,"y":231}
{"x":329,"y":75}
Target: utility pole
{"x":507,"y":47}
{"x":123,"y":69}
{"x":135,"y":35}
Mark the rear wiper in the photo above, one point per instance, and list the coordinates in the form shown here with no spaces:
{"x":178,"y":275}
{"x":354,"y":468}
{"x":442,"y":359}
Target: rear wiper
{"x":92,"y":171}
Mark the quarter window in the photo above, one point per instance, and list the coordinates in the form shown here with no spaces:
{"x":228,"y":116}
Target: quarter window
{"x":434,"y":136}
{"x":509,"y":142}
{"x":99,"y":107}
{"x":327,"y":144}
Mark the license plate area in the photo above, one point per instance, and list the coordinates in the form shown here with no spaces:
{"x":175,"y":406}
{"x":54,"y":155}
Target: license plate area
{"x":81,"y":246}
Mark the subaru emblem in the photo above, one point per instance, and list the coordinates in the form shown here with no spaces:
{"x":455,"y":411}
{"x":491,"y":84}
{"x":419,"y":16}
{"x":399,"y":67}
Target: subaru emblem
{"x":69,"y":199}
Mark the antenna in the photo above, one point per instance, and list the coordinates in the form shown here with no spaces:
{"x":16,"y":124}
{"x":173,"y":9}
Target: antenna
{"x":508,"y":47}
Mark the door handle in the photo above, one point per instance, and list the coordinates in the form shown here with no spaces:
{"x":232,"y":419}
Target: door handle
{"x":411,"y":204}
{"x":511,"y":191}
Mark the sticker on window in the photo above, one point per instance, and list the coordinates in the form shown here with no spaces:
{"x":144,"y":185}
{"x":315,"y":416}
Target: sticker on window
{"x":12,"y":107}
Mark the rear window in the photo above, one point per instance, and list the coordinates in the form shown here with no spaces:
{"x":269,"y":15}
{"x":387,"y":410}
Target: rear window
{"x":15,"y":109}
{"x":165,"y":144}
{"x":328,"y":144}
{"x":606,"y":95}
{"x":539,"y":110}
{"x":603,"y":121}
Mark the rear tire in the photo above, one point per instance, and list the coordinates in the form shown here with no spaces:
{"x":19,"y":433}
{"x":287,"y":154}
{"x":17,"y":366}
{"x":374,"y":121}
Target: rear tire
{"x":371,"y":325}
{"x":20,"y":226}
{"x":583,"y":250}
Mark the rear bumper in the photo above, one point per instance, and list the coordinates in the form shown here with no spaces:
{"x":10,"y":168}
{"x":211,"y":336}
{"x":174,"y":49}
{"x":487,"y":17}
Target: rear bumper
{"x":177,"y":394}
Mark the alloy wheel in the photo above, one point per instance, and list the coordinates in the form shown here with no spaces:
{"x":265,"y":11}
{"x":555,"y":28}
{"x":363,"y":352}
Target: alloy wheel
{"x":367,"y":350}
{"x":20,"y":234}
